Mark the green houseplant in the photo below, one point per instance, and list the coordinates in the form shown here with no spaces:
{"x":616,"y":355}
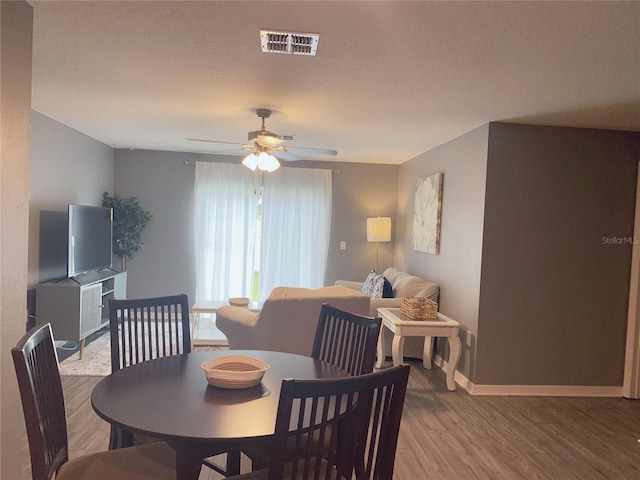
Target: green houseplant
{"x":129,"y":220}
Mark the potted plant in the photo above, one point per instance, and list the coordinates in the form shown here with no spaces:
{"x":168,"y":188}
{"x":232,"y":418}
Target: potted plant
{"x":129,"y":220}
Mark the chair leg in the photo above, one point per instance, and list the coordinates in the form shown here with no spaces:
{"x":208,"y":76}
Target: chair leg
{"x":215,"y":467}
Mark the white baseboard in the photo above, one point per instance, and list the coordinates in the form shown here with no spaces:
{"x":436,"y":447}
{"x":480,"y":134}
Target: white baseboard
{"x":531,"y":390}
{"x":547,"y":390}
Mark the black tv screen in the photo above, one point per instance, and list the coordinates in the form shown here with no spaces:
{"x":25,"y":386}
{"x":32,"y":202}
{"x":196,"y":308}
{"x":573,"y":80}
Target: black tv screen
{"x":90,"y":232}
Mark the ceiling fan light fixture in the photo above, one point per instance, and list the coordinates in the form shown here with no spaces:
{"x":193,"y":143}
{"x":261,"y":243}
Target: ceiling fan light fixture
{"x":251,"y":161}
{"x":266,"y":139}
{"x":268,"y":162}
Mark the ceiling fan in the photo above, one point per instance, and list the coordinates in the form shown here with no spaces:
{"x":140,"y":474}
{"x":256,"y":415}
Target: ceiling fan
{"x":266,"y":143}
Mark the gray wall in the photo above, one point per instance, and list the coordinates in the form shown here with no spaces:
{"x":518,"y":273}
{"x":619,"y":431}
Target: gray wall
{"x":553,"y":303}
{"x":164,"y":185}
{"x":457,"y":268}
{"x":16,"y":27}
{"x":523,"y":266}
{"x":66,"y":167}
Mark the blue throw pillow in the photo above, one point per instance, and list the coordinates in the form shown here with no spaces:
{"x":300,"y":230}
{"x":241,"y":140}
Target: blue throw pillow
{"x":387,"y":289}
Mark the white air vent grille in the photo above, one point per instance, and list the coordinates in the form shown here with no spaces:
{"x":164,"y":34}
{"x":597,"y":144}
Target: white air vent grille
{"x":289,"y":43}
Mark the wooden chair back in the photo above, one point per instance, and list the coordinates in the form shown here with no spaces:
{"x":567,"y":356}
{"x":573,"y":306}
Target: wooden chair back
{"x":36,"y":364}
{"x":369,"y":405}
{"x":346,"y":340}
{"x":147,"y":328}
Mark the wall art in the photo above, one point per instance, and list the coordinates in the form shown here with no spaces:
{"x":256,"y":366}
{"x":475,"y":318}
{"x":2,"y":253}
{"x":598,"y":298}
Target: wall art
{"x":426,"y":215}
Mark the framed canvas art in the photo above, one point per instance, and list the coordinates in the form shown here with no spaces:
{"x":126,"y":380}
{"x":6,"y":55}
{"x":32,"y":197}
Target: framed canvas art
{"x":426,"y":214}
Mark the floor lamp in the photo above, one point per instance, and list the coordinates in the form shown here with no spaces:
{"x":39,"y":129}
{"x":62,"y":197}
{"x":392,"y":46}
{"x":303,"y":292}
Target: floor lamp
{"x":378,"y":230}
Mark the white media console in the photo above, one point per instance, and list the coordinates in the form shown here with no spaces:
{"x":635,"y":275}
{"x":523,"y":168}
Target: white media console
{"x":77,"y":307}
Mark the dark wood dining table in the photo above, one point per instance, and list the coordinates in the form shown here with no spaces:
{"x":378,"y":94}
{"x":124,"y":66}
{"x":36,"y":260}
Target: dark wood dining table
{"x":170,"y":398}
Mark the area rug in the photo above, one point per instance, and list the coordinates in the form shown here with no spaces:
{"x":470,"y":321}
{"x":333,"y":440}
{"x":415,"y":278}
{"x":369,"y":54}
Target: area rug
{"x":96,"y":359}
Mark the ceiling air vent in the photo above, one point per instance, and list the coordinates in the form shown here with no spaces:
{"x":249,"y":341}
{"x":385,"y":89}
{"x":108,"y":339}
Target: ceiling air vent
{"x":289,"y":43}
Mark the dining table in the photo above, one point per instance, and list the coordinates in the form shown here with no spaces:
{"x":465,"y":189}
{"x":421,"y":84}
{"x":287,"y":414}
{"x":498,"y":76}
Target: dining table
{"x":170,"y":398}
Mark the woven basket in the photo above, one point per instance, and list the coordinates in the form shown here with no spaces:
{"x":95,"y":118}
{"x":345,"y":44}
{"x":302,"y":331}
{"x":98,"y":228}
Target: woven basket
{"x":419,"y":308}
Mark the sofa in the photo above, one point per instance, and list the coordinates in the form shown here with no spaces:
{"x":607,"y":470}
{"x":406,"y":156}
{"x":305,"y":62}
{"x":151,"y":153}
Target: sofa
{"x":288,"y":319}
{"x":404,"y":285}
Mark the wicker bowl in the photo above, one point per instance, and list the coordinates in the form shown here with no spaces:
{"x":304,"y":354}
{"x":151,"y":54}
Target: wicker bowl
{"x":234,"y":371}
{"x":239,"y":301}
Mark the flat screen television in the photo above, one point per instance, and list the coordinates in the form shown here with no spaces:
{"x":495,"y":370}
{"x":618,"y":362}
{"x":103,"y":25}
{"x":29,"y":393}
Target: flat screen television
{"x":89,"y":239}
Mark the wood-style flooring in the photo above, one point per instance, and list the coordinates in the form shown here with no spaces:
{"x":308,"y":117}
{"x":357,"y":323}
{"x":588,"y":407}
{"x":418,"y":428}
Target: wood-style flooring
{"x":455,"y":436}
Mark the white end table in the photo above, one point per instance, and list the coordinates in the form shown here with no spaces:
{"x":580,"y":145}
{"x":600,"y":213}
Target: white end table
{"x":403,"y":326}
{"x":212,"y":306}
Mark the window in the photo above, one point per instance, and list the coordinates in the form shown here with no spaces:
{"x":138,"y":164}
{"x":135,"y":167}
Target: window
{"x":250,"y":239}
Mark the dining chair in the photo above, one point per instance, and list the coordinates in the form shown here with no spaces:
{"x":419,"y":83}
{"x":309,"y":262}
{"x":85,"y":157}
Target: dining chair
{"x":370,"y":405}
{"x":143,"y":329}
{"x":147,"y":328}
{"x":343,"y":339}
{"x":36,"y":364}
{"x":346,"y":340}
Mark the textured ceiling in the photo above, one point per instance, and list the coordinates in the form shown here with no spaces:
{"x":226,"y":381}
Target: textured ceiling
{"x":390,"y":80}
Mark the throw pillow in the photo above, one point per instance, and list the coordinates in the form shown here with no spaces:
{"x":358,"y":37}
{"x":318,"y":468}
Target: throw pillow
{"x":367,"y":288}
{"x":387,"y":289}
{"x":378,"y":286}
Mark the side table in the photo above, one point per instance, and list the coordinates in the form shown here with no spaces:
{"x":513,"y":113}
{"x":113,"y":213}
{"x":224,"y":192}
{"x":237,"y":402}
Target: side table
{"x":403,"y":326}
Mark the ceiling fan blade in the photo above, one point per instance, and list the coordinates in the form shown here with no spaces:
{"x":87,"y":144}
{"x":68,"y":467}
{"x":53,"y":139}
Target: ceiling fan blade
{"x":313,"y":151}
{"x":284,"y":155}
{"x":244,"y":145}
{"x":233,"y":151}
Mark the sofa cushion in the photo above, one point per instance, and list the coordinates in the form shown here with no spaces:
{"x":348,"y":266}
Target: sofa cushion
{"x":392,"y":274}
{"x":407,"y":285}
{"x":411,"y":286}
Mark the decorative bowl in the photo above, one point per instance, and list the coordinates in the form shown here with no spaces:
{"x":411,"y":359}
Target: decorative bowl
{"x":239,"y":301}
{"x":234,"y":371}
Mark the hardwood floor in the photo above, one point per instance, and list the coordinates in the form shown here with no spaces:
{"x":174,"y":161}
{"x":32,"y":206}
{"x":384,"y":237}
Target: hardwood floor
{"x":454,"y":436}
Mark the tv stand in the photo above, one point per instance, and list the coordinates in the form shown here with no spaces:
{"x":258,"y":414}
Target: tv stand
{"x":76,"y":307}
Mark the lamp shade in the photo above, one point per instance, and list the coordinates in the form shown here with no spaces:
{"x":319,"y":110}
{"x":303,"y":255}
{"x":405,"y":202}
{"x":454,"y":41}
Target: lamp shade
{"x":379,"y":229}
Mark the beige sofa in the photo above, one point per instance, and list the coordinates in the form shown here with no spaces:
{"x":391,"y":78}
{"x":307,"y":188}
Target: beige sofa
{"x":404,"y":285}
{"x":288,"y":319}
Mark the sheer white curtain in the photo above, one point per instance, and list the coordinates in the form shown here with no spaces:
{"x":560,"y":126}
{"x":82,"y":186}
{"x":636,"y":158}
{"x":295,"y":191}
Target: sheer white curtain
{"x":297,"y":224}
{"x":225,"y":221}
{"x":292,"y":247}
